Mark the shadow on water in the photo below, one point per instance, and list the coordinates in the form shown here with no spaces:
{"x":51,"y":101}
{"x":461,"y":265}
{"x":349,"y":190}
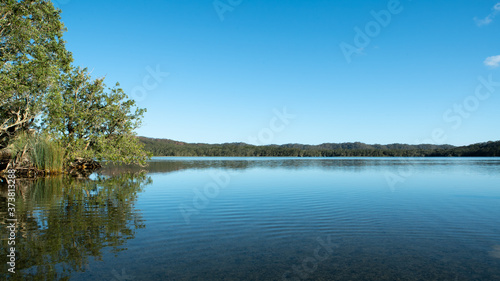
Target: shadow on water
{"x":62,"y":222}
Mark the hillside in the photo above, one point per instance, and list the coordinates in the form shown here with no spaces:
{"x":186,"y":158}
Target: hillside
{"x":166,"y":147}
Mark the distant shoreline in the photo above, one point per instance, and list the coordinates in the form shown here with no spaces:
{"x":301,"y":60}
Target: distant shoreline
{"x":167,"y":147}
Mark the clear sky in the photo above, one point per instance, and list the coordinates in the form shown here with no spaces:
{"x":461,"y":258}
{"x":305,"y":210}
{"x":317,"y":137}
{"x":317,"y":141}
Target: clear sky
{"x":343,"y":71}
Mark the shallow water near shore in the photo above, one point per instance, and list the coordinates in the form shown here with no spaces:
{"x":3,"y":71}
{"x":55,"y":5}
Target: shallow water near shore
{"x":236,"y":218}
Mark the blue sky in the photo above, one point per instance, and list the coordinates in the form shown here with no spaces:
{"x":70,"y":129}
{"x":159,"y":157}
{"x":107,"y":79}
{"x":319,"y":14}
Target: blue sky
{"x":233,"y":67}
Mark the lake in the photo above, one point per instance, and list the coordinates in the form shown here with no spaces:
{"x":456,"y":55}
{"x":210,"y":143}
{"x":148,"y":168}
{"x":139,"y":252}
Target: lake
{"x":185,"y":218}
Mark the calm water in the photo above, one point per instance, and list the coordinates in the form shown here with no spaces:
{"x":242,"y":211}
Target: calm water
{"x":263,"y":219}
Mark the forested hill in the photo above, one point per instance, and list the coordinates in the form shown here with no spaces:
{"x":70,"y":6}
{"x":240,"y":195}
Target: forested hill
{"x":166,"y":147}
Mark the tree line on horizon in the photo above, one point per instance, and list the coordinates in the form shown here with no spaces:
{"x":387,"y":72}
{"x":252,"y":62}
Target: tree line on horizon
{"x":166,"y":147}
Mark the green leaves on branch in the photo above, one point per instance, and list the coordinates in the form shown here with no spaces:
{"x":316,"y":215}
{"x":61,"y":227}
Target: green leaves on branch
{"x":92,"y":121}
{"x":32,"y":55}
{"x":37,"y":80}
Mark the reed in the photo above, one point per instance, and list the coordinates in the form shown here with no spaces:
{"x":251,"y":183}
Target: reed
{"x":43,"y":152}
{"x":47,"y":155}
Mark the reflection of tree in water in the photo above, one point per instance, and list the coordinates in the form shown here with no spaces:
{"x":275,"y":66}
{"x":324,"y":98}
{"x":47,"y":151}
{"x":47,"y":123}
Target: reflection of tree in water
{"x":64,"y":221}
{"x":165,"y":165}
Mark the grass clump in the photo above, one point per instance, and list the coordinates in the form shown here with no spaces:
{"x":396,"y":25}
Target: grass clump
{"x":38,"y":150}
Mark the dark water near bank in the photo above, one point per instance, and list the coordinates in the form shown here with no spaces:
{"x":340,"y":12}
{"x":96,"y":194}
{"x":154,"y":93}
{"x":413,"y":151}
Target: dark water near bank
{"x":263,"y":219}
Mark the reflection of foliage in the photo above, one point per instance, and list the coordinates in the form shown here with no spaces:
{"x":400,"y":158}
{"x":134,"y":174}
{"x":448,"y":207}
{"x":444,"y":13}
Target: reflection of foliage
{"x":64,"y":221}
{"x":166,"y":165}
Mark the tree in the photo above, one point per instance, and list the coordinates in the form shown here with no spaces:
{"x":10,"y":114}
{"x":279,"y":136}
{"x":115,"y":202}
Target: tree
{"x":32,"y":56}
{"x":91,"y":121}
{"x":37,"y":80}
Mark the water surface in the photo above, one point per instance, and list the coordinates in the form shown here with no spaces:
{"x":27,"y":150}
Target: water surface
{"x":265,"y":219}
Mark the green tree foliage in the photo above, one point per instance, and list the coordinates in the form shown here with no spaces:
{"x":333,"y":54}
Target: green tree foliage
{"x":37,"y":81}
{"x":164,"y":147}
{"x":92,"y":121}
{"x":32,"y":55}
{"x":484,"y":149}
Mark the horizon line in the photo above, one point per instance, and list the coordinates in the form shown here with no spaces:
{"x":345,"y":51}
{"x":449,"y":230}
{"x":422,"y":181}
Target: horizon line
{"x":271,"y":144}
